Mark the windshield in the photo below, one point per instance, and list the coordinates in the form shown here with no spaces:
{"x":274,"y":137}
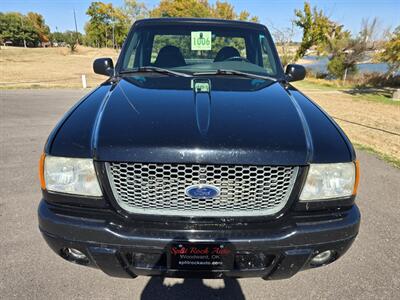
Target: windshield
{"x":200,"y":48}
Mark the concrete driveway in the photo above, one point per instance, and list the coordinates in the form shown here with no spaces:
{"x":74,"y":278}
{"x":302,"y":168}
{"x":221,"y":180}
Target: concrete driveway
{"x":30,"y":270}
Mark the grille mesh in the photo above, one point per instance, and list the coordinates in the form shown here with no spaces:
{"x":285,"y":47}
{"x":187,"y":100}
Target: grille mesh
{"x":160,"y":188}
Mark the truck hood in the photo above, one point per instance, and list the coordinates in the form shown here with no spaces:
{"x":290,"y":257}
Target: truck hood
{"x":165,"y":121}
{"x":162,"y":119}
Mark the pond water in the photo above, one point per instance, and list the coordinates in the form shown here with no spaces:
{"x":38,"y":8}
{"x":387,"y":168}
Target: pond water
{"x":319,"y":64}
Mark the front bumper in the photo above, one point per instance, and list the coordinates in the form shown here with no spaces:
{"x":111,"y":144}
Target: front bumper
{"x":269,"y":251}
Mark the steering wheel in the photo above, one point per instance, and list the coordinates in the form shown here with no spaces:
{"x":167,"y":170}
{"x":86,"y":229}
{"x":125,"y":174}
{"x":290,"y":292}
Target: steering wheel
{"x":237,"y":58}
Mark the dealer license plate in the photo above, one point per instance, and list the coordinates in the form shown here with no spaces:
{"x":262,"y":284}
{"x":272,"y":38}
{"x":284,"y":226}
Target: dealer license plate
{"x":195,"y":256}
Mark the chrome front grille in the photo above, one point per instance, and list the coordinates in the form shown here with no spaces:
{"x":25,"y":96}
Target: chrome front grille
{"x":159,"y":189}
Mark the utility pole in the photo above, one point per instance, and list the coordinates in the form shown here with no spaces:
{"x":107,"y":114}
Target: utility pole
{"x":76,"y":28}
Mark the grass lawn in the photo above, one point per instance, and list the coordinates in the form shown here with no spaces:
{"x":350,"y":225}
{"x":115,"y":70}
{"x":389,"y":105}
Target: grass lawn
{"x":383,"y":95}
{"x":395,"y":161}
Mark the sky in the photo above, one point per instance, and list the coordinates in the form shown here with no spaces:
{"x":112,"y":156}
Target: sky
{"x":277,"y":13}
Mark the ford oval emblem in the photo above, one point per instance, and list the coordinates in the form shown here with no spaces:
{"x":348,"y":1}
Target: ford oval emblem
{"x":202,"y":191}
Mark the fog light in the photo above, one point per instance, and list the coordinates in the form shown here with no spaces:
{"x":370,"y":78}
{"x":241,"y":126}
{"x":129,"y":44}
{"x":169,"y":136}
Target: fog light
{"x":75,"y":254}
{"x":322,"y":258}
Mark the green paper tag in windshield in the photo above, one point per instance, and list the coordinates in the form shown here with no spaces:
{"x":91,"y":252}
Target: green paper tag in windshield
{"x":201,"y":40}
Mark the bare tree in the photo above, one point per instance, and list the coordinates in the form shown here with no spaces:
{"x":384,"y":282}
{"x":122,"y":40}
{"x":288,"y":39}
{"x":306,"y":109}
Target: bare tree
{"x":364,"y":42}
{"x":284,"y":41}
{"x":368,"y":33}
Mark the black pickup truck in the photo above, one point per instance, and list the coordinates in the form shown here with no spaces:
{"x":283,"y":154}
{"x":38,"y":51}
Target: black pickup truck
{"x":198,"y":158}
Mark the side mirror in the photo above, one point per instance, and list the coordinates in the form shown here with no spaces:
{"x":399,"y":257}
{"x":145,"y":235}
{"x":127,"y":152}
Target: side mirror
{"x":103,"y":66}
{"x":295,"y":72}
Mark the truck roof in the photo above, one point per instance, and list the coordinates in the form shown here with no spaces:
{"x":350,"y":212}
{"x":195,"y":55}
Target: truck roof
{"x":177,"y":21}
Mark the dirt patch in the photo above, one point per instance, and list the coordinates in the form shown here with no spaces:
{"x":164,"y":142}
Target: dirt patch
{"x":49,"y":67}
{"x":369,"y":123}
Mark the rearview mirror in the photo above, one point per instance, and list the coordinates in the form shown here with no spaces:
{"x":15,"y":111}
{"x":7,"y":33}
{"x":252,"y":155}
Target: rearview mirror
{"x":295,"y":72}
{"x":103,"y":66}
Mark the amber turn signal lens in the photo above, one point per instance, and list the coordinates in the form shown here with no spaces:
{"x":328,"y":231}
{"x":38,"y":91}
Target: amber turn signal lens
{"x":357,"y":179}
{"x":41,"y":171}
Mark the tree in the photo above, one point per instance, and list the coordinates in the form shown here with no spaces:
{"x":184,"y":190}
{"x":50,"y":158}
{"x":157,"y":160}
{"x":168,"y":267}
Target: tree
{"x":98,"y":27}
{"x":40,"y":26}
{"x":223,"y":10}
{"x":108,"y":25}
{"x":70,"y":38}
{"x":347,"y":51}
{"x":18,"y":29}
{"x":57,"y":37}
{"x":335,"y":42}
{"x":315,"y":26}
{"x":284,"y":42}
{"x":120,"y":26}
{"x":330,"y":38}
{"x":135,"y":10}
{"x":391,"y":53}
{"x":244,"y":15}
{"x":339,"y":67}
{"x":182,"y":8}
{"x":199,"y":9}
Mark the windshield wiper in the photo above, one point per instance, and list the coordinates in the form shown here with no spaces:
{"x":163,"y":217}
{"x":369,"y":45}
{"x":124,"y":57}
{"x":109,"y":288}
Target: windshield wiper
{"x":156,"y":70}
{"x":234,"y":72}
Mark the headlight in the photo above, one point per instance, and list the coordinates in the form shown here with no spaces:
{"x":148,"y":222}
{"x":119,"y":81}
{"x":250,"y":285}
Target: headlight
{"x":69,"y":175}
{"x":328,"y":181}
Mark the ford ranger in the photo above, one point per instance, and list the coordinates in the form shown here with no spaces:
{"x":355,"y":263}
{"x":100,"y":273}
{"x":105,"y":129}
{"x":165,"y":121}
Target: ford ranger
{"x":198,"y":158}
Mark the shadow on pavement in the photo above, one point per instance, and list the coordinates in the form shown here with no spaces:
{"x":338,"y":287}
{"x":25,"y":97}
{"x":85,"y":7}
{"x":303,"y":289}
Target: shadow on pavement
{"x":191,"y":289}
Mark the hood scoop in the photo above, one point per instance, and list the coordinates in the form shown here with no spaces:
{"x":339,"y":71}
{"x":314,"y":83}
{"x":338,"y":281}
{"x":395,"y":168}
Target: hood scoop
{"x":202,"y":99}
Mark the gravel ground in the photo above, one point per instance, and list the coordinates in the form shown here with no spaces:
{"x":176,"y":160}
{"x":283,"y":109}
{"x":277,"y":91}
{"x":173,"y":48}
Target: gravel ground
{"x":30,"y":270}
